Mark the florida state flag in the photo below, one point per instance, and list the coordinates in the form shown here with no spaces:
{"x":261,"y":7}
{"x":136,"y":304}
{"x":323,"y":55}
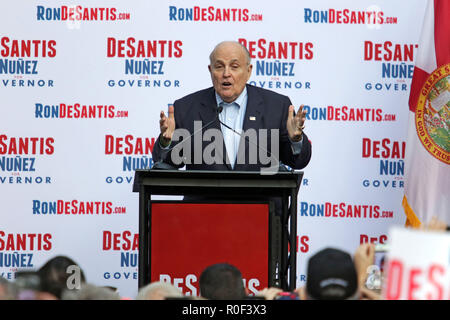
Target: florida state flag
{"x":427,"y":184}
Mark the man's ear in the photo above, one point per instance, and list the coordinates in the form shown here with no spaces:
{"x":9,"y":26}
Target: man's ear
{"x":209,"y":68}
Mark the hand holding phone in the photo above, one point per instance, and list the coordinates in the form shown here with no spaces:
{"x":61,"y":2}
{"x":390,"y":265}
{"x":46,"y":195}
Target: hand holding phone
{"x":380,"y":254}
{"x":363,"y":259}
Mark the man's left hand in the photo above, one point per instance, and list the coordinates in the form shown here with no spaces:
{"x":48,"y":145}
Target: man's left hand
{"x":296,"y":124}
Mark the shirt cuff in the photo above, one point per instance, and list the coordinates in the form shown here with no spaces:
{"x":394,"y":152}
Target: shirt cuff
{"x":296,"y":146}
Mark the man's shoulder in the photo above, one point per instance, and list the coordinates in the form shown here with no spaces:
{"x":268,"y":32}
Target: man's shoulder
{"x":265,"y":93}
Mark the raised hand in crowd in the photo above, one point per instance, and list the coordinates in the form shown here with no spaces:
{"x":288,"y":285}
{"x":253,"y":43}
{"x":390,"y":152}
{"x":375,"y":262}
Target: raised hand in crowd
{"x":364,"y":257}
{"x":434,"y":225}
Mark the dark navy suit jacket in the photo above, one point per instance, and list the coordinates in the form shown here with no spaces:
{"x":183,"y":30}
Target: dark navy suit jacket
{"x":265,"y":110}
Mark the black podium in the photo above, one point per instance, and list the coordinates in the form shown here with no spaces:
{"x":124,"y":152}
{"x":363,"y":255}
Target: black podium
{"x":232,"y":184}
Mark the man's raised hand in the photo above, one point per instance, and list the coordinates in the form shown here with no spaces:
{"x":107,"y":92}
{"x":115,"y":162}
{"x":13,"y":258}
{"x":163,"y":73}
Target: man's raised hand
{"x":167,"y":127}
{"x":296,"y":124}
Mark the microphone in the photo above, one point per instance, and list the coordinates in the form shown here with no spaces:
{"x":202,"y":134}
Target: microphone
{"x":162,"y":165}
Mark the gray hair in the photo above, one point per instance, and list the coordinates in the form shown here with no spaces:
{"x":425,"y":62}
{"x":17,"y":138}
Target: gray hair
{"x":244,"y":48}
{"x":158,"y":290}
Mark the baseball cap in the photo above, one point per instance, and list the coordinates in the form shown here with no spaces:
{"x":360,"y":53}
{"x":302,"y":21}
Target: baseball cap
{"x":331,"y":275}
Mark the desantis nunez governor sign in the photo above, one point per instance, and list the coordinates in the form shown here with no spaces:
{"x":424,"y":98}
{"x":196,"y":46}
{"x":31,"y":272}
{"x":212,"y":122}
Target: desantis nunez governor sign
{"x":82,"y":86}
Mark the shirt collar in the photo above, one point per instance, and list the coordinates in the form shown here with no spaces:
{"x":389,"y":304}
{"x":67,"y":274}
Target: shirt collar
{"x":239,"y":100}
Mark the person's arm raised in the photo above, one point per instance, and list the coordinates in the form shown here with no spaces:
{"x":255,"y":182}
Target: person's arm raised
{"x":167,"y":127}
{"x":296,"y":123}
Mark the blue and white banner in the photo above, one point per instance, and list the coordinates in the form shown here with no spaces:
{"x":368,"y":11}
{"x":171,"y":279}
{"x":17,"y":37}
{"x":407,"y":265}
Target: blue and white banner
{"x":82,"y":84}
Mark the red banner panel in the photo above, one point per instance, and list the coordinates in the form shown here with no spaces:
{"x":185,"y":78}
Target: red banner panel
{"x":188,"y":237}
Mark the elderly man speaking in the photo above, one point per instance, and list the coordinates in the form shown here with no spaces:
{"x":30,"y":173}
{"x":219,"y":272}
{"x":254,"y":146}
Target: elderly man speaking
{"x":233,"y":110}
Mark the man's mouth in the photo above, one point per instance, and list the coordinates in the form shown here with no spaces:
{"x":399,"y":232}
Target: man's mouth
{"x":226,"y":84}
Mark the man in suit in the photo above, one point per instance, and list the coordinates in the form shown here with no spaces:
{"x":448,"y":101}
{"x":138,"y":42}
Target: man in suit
{"x":231,"y":106}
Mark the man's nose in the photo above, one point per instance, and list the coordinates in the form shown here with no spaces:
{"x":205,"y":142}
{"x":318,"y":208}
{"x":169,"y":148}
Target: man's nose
{"x":226,"y":71}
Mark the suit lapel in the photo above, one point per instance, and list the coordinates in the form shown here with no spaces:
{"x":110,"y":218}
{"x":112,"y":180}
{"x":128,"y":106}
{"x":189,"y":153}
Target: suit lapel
{"x":207,"y":111}
{"x":253,"y":118}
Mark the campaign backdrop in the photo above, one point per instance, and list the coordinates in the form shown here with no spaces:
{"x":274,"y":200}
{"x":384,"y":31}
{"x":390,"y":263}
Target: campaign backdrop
{"x":82,"y":84}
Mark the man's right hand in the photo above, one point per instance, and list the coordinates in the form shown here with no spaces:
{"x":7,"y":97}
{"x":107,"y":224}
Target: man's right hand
{"x":167,"y":127}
